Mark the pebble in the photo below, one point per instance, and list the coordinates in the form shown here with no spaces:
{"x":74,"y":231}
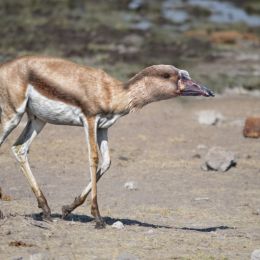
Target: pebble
{"x":150,"y":231}
{"x":201,"y":146}
{"x":118,"y":225}
{"x":209,"y":117}
{"x":252,"y":127}
{"x":255,"y":255}
{"x":201,"y":198}
{"x":130,"y":185}
{"x":218,"y":159}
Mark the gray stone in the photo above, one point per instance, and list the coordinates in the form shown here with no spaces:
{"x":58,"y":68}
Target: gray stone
{"x":218,"y":159}
{"x":130,"y":185}
{"x":201,"y":199}
{"x":118,"y":225}
{"x":127,"y":256}
{"x":255,"y":255}
{"x":209,"y":117}
{"x":150,"y":232}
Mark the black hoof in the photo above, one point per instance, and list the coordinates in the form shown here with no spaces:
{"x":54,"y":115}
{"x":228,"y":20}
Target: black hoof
{"x":65,"y":211}
{"x":46,"y":216}
{"x":100,"y":224}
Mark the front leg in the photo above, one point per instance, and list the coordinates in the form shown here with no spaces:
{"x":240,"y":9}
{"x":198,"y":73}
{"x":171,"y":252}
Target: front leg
{"x":90,"y":126}
{"x":102,"y":139}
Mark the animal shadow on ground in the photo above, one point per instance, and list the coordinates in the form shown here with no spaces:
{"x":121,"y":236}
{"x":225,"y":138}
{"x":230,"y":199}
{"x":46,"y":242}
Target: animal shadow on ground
{"x":127,"y":222}
{"x":206,"y":229}
{"x":108,"y":220}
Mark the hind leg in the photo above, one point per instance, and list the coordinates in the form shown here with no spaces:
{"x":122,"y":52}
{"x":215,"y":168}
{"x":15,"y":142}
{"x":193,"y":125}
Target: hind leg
{"x":20,"y":150}
{"x":7,"y":124}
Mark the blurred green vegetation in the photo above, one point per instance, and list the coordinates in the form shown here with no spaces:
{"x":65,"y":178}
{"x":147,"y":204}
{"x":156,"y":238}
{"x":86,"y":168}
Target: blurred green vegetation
{"x":122,"y":40}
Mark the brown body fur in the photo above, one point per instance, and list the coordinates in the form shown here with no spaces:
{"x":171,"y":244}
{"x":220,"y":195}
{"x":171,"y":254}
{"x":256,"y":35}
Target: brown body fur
{"x":94,"y":91}
{"x":91,"y":90}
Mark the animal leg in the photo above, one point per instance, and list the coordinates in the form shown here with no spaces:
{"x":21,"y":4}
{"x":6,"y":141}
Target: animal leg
{"x":20,"y":150}
{"x":104,"y":150}
{"x":90,"y":126}
{"x":8,"y":124}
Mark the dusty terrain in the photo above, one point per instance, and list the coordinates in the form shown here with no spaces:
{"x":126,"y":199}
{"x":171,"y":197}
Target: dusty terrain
{"x":177,"y":212}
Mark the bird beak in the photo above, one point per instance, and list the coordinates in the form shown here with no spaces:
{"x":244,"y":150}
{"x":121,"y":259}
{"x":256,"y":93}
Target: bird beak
{"x":187,"y":87}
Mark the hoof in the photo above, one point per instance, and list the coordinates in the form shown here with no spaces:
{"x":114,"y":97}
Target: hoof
{"x":65,"y":211}
{"x":100,"y":224}
{"x":46,"y":216}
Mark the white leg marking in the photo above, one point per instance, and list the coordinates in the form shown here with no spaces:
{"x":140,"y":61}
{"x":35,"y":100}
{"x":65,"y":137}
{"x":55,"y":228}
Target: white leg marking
{"x":21,"y":147}
{"x":106,"y":162}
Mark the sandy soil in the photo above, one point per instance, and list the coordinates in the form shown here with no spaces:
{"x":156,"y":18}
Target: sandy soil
{"x":178,"y":210}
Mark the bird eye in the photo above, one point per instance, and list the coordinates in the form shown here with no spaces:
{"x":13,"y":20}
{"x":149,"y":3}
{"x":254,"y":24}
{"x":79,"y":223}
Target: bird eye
{"x":166,"y":75}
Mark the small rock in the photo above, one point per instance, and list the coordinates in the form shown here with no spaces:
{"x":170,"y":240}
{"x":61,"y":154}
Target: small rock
{"x":118,"y":225}
{"x":218,"y":159}
{"x":127,"y":256}
{"x":255,"y":255}
{"x":252,"y":127}
{"x":209,"y":117}
{"x":40,"y":256}
{"x":201,"y":198}
{"x":130,"y":185}
{"x":201,"y":146}
{"x":150,"y":232}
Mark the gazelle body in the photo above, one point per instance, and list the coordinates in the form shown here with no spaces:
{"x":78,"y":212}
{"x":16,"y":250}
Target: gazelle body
{"x":56,"y":91}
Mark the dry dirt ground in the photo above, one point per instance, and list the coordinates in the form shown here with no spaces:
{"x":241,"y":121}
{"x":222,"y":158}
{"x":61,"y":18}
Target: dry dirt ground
{"x":177,"y":212}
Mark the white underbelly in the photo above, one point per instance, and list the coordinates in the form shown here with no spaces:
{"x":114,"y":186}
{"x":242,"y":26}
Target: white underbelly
{"x":52,"y":111}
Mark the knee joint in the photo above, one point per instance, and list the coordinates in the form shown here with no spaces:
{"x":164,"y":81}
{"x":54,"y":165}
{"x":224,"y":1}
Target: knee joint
{"x":19,"y":152}
{"x":94,"y":161}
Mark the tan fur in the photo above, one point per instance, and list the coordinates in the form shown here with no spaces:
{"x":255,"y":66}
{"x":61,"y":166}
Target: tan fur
{"x":91,"y":90}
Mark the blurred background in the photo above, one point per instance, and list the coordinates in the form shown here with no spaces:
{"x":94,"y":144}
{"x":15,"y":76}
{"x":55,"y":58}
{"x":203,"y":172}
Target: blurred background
{"x":217,"y":41}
